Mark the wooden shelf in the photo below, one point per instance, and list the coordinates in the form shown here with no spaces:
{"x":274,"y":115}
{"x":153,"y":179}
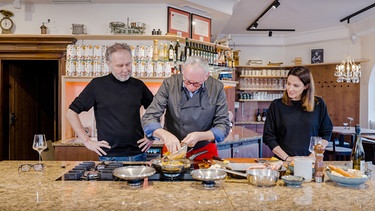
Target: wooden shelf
{"x":260,"y":89}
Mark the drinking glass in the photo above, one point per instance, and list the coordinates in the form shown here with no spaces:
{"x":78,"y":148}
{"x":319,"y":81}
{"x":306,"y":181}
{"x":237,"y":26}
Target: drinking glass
{"x":314,"y":140}
{"x":39,"y":144}
{"x":345,"y":125}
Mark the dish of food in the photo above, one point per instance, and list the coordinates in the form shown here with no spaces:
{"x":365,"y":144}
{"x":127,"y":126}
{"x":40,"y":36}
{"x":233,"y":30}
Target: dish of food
{"x":347,"y":178}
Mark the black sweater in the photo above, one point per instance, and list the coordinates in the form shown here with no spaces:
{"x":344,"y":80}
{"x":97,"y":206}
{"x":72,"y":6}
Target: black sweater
{"x":117,"y":111}
{"x":290,"y":127}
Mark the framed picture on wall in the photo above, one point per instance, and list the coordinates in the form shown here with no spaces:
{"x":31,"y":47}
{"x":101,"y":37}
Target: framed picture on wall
{"x":317,"y":56}
{"x":179,"y":22}
{"x":200,"y":28}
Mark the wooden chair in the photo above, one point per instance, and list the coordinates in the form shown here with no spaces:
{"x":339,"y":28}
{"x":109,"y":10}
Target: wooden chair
{"x":49,"y":153}
{"x":335,"y":151}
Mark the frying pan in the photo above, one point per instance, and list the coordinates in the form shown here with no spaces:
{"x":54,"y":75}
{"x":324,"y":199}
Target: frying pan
{"x":259,"y":177}
{"x":174,"y":166}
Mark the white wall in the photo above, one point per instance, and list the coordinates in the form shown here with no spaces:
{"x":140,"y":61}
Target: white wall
{"x":367,"y":99}
{"x":95,"y":17}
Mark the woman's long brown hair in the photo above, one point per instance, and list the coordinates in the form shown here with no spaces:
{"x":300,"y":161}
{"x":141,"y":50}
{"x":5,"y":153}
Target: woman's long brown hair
{"x":308,"y":95}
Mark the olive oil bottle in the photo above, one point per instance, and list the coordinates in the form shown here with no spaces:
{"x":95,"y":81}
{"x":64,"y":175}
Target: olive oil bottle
{"x":358,"y":154}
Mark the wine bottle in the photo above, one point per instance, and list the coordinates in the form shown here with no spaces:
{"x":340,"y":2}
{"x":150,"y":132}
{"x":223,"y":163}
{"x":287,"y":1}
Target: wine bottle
{"x":177,"y":50}
{"x":357,"y":156}
{"x":264,"y":115}
{"x":171,"y":54}
{"x":259,"y":117}
{"x":187,"y":49}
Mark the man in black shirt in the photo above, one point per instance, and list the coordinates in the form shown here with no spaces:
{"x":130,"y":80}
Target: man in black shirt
{"x":116,"y":99}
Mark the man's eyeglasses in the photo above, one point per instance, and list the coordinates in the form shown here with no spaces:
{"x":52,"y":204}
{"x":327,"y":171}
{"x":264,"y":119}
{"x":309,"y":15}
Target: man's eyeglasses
{"x":195,"y":84}
{"x":27,"y":167}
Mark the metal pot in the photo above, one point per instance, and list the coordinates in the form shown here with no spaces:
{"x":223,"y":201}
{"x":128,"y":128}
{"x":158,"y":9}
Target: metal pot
{"x":259,"y":177}
{"x":137,"y":25}
{"x":208,"y":175}
{"x":133,"y":172}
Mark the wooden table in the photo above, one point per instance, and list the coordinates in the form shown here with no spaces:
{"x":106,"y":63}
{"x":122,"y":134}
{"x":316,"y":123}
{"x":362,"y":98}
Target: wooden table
{"x":345,"y":131}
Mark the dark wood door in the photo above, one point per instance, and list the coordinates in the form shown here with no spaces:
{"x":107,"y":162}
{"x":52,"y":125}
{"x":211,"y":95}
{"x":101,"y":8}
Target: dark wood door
{"x":32,"y":99}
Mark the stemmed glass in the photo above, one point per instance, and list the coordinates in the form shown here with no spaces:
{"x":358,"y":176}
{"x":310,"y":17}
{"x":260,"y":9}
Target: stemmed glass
{"x":345,"y":125}
{"x":39,"y":144}
{"x":314,"y":140}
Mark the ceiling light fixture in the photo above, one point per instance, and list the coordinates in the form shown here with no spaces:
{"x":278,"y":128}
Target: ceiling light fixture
{"x":270,"y":33}
{"x":348,"y":71}
{"x":357,"y":13}
{"x":253,"y":26}
{"x":276,"y":4}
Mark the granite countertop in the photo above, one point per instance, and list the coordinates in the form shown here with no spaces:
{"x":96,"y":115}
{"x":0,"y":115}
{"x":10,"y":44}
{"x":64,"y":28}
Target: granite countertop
{"x":39,"y":190}
{"x":237,"y":134}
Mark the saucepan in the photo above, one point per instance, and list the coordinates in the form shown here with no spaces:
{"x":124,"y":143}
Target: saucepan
{"x":259,"y":177}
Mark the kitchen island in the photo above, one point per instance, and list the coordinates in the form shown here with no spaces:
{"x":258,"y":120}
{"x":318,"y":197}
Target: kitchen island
{"x":40,"y":191}
{"x":240,"y":142}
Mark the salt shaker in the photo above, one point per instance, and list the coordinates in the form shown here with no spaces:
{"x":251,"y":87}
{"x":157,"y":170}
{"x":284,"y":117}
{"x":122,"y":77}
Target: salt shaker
{"x":319,"y":165}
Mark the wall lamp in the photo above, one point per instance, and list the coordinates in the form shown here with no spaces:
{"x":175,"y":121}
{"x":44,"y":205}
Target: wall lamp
{"x":254,"y":25}
{"x":357,"y":13}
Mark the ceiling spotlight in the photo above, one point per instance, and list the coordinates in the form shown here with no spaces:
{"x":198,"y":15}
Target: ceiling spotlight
{"x":270,"y":33}
{"x":255,"y":25}
{"x":276,"y":4}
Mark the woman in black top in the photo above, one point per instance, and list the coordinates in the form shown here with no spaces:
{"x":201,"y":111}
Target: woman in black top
{"x":294,"y":118}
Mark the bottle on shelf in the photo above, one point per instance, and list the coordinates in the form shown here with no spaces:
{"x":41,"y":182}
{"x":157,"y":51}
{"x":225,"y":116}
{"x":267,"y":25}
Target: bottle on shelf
{"x":187,"y":49}
{"x":216,"y":56}
{"x":177,"y":51}
{"x":155,"y":53}
{"x":357,"y":156}
{"x":171,"y":54}
{"x":161,"y":52}
{"x":259,"y":116}
{"x":166,"y":54}
{"x":264,"y":115}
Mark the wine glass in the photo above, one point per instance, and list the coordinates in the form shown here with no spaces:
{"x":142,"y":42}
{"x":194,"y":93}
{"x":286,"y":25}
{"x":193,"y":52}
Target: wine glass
{"x":39,"y":144}
{"x":314,"y":140}
{"x":345,"y":125}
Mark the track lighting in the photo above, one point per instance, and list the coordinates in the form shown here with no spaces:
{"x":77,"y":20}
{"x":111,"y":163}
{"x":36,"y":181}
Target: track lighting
{"x":254,"y":25}
{"x":347,"y":18}
{"x":276,"y":4}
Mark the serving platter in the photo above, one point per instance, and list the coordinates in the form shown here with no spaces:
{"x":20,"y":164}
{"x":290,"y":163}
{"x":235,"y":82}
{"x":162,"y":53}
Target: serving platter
{"x":346,"y":181}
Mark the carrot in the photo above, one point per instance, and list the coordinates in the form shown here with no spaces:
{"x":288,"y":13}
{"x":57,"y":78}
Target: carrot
{"x":340,"y":171}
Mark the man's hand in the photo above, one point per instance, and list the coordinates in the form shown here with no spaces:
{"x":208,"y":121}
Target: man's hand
{"x":96,"y":146}
{"x":145,"y":144}
{"x":192,"y":138}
